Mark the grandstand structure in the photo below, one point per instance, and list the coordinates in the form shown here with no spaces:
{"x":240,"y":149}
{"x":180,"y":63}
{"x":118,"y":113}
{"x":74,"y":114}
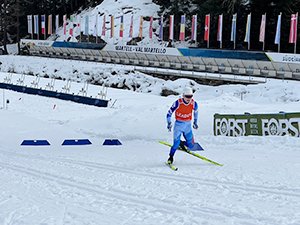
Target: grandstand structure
{"x":202,"y":64}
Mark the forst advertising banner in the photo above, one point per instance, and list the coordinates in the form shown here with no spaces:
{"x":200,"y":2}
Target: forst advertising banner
{"x":235,"y":125}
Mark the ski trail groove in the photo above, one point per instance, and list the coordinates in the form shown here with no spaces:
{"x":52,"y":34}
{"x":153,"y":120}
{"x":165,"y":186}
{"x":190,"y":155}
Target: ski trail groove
{"x":136,"y":200}
{"x":177,"y":178}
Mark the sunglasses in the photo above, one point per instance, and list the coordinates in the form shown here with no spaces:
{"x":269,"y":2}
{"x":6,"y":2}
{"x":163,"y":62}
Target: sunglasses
{"x":188,"y":96}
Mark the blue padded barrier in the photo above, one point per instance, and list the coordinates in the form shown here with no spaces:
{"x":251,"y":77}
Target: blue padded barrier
{"x":112,"y":142}
{"x":35,"y":142}
{"x":77,"y":142}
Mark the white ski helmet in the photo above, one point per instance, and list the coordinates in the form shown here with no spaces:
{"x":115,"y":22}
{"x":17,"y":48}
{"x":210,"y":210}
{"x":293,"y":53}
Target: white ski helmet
{"x":188,"y":91}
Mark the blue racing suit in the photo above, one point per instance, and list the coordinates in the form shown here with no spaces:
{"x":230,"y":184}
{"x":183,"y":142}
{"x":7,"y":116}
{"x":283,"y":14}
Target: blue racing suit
{"x":183,"y":124}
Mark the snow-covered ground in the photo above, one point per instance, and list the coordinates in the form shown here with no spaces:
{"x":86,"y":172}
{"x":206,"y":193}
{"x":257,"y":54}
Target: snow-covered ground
{"x":130,"y":184}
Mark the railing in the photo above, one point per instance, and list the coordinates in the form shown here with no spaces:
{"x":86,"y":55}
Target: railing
{"x":247,"y":71}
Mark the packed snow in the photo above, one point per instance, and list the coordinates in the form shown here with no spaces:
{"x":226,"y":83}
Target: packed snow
{"x":130,"y":183}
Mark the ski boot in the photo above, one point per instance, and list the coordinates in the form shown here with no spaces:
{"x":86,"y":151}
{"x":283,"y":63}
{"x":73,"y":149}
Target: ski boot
{"x":170,"y":160}
{"x":182,"y":146}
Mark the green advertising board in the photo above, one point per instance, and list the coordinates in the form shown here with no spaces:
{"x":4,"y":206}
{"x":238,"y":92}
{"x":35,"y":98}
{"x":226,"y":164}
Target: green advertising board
{"x":277,"y":124}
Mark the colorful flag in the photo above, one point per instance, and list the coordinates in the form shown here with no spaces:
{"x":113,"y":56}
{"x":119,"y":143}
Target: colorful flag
{"x":86,"y":25}
{"x":121,"y":27}
{"x":131,"y":26}
{"x":182,"y":28}
{"x":220,"y":28}
{"x":141,"y":28}
{"x":65,"y":24}
{"x":161,"y":29}
{"x":278,"y":28}
{"x":36,"y":24}
{"x":194,"y":28}
{"x":293,"y":30}
{"x":151,"y":27}
{"x":71,"y":25}
{"x":78,"y":18}
{"x":43,"y":23}
{"x":95,"y":33}
{"x":262,"y":28}
{"x":248,"y":27}
{"x":112,"y":26}
{"x":50,"y":24}
{"x":171,"y":28}
{"x":56,"y":23}
{"x":29,"y":22}
{"x":233,"y":27}
{"x":103,"y":26}
{"x":207,"y":24}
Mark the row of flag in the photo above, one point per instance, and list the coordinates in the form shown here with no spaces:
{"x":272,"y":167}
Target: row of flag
{"x":33,"y":27}
{"x":293,"y":29}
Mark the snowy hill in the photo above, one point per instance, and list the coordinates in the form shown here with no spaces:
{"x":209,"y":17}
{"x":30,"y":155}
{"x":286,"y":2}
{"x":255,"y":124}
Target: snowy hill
{"x":130,"y":184}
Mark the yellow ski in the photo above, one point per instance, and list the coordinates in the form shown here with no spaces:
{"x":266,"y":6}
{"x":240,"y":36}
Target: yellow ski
{"x":193,"y":153}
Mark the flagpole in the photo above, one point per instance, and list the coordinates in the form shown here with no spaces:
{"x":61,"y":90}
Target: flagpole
{"x":96,"y":28}
{"x":295,"y":45}
{"x":112,"y":26}
{"x":196,"y":30}
{"x":221,"y":32}
{"x":38,"y":28}
{"x":64,"y":26}
{"x":32,"y":30}
{"x":249,"y":32}
{"x":44,"y":27}
{"x":265,"y":32}
{"x":208,"y":30}
{"x":79,"y":28}
{"x":279,"y":34}
{"x":235,"y":30}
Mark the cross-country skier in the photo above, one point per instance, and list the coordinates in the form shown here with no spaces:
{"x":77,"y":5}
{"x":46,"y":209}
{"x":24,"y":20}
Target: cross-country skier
{"x":183,"y":108}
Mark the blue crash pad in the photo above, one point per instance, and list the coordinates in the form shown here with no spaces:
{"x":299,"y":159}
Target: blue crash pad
{"x":112,"y":142}
{"x":35,"y":142}
{"x":77,"y":142}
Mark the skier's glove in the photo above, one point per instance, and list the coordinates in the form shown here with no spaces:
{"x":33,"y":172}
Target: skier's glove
{"x":169,"y":126}
{"x":195,"y":126}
